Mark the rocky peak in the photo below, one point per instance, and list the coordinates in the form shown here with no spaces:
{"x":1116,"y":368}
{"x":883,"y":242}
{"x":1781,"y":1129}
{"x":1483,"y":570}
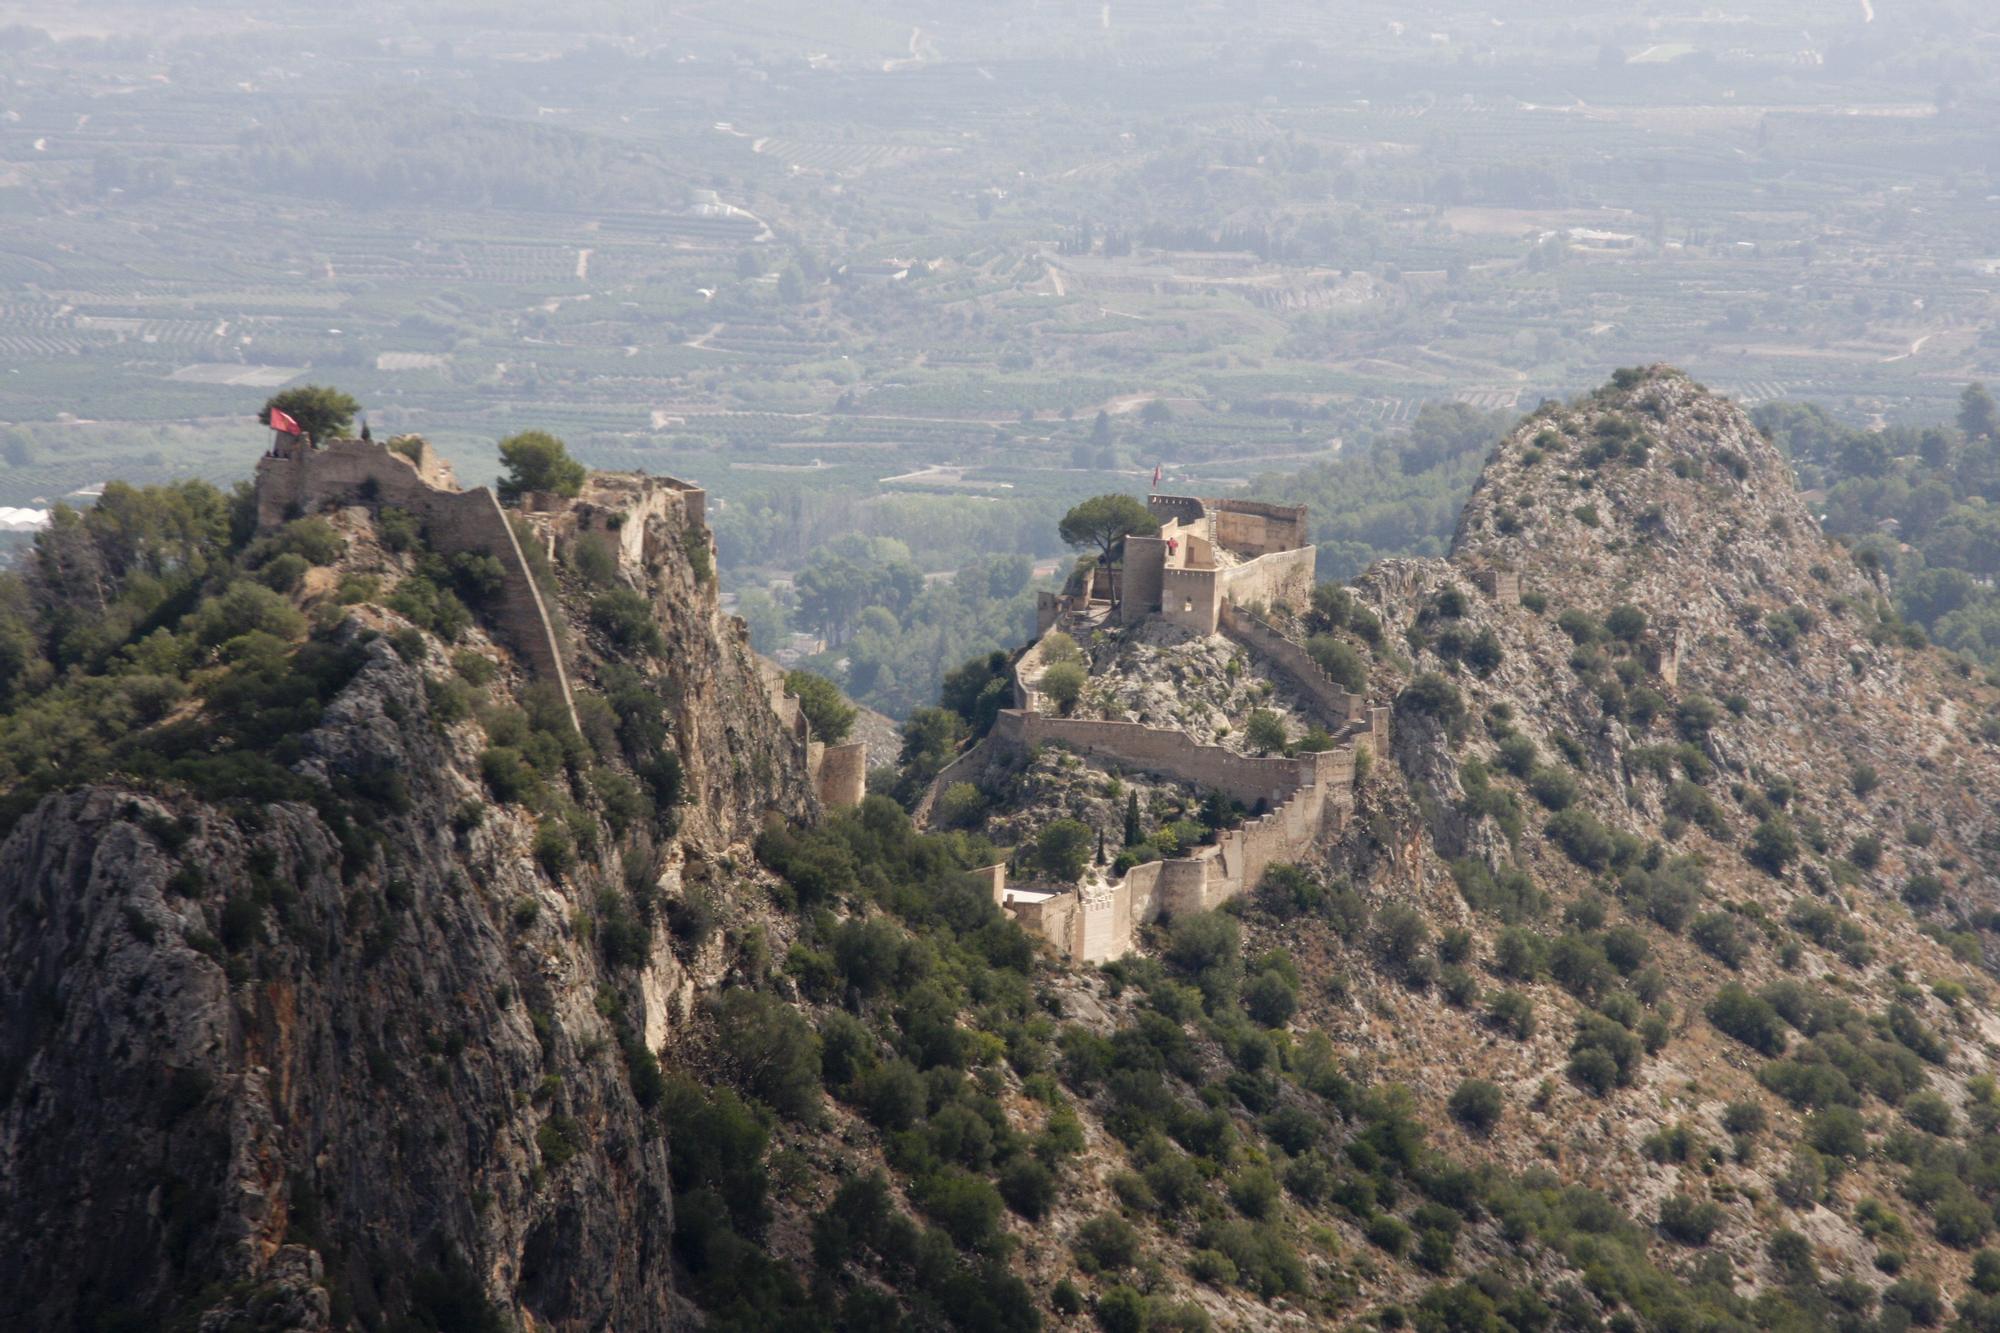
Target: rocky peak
{"x":373,"y":1043}
{"x":1656,"y":492}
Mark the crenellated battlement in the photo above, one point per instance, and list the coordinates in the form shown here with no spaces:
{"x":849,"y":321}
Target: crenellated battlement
{"x":1209,"y":553}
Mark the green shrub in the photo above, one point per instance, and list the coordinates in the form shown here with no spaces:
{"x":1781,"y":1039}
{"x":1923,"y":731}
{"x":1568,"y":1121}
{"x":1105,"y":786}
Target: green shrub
{"x":1582,"y":627}
{"x":1691,"y":1222}
{"x":1388,"y":1232}
{"x":1553,"y":787}
{"x":1720,"y":936}
{"x":1583,"y":838}
{"x":1106,"y":1242}
{"x":508,"y":775}
{"x":560,"y":1140}
{"x":1271,"y":999}
{"x":1744,"y":1118}
{"x":771,"y":1051}
{"x":397,"y":529}
{"x":1510,"y":895}
{"x":1477,"y":1105}
{"x":1212,"y":1268}
{"x":625,"y":617}
{"x":1063,"y":848}
{"x":536,"y":461}
{"x":1513,"y":1012}
{"x":313,"y":540}
{"x":1603,"y":1055}
{"x":1519,"y":955}
{"x":1747,"y":1018}
{"x":284,"y":573}
{"x":1923,"y":891}
{"x":960,"y":805}
{"x":1028,"y":1187}
{"x":1401,"y":936}
{"x":1626,"y":622}
{"x":1063,"y":684}
{"x":595,"y":561}
{"x":826,"y":710}
{"x":1930,"y":1113}
{"x":1264,"y":731}
{"x":1836,"y":1132}
{"x":554,"y":850}
{"x":1431,"y":695}
{"x":1916,"y":1298}
{"x":1340,"y":661}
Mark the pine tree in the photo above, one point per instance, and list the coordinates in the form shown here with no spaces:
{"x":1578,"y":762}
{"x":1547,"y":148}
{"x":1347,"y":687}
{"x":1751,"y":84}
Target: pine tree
{"x":1978,"y":416}
{"x":1134,"y":835}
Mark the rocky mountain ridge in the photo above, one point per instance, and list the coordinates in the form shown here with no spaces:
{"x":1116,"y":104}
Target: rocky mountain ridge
{"x":1644,"y":985}
{"x":382,"y":1052}
{"x":1700,"y":802}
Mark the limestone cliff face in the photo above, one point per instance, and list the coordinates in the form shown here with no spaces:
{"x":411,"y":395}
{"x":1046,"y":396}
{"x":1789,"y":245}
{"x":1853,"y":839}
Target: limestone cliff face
{"x":362,"y":1057}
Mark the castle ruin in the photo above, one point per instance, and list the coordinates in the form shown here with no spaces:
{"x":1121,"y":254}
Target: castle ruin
{"x":1211,"y":567}
{"x":634,"y":518}
{"x":1208,"y":554}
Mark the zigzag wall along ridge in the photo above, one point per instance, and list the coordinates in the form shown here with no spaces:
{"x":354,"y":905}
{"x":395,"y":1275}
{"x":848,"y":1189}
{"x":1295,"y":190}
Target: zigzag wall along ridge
{"x":1097,"y":922}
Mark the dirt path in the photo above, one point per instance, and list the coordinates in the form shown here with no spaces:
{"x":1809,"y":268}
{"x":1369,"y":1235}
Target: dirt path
{"x":1915,"y":347}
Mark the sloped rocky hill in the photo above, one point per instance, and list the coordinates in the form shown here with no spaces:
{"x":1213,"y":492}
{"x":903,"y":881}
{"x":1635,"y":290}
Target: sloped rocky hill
{"x":1645,"y":986}
{"x":1672,"y":902}
{"x":363,"y":1037}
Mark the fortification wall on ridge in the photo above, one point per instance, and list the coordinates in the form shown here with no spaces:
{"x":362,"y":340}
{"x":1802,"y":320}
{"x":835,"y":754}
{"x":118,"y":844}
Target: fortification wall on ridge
{"x":839,"y":773}
{"x":473,"y":521}
{"x":1300,"y":797}
{"x":303,"y":479}
{"x":1027,"y":672}
{"x":1295,"y":662}
{"x":1253,"y":527}
{"x":1157,"y":750}
{"x":1281,"y":576}
{"x":1503,"y":586}
{"x":842,"y":778}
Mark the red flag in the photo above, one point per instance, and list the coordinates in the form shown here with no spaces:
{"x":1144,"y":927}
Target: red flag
{"x":1156,"y":476}
{"x":281,"y":422}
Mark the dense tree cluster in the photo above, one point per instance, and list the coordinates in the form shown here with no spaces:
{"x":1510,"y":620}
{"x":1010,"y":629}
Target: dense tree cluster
{"x":1918,"y":504}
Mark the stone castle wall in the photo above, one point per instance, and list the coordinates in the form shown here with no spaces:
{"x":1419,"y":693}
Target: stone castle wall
{"x":1256,"y":528}
{"x":839,"y":773}
{"x":1281,"y":576}
{"x":1300,"y":798}
{"x":1189,"y":598}
{"x":1268,"y":561}
{"x":304,"y":479}
{"x":1502,"y":585}
{"x":1185,"y":509}
{"x":842,"y":774}
{"x":1143,"y":561}
{"x":1193,"y":598}
{"x":1295,"y":662}
{"x":1158,"y":750}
